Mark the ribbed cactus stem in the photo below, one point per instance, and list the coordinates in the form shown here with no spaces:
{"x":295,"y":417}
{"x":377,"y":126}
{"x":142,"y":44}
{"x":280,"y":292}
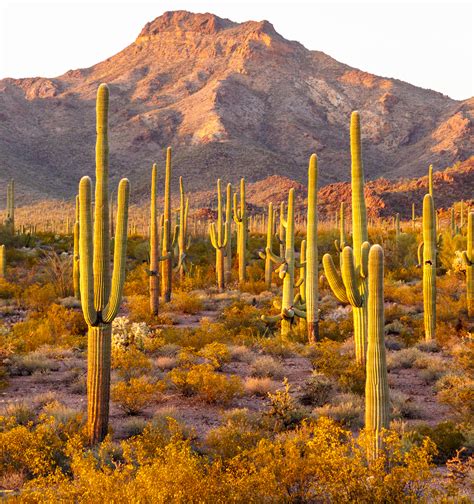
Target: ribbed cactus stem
{"x":312,"y":275}
{"x":241,"y":220}
{"x":429,"y":267}
{"x":289,"y":277}
{"x":183,"y":243}
{"x":468,"y":257}
{"x":218,"y":234}
{"x":75,"y":259}
{"x":154,"y":281}
{"x":453,"y":222}
{"x":167,"y":242}
{"x":269,"y":247}
{"x":3,"y":261}
{"x":377,"y":413}
{"x":430,"y":181}
{"x":281,"y":229}
{"x":397,"y":225}
{"x":100,"y":294}
{"x":228,"y":224}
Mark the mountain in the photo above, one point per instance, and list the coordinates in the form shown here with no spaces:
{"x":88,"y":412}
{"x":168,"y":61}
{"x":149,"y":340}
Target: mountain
{"x":233,"y":100}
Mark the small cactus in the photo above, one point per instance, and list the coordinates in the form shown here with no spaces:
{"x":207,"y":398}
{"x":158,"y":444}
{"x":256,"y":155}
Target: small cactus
{"x":3,"y":261}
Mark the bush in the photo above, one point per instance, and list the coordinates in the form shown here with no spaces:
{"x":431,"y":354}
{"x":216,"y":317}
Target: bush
{"x":259,"y":386}
{"x":135,"y":395}
{"x":267,"y":366}
{"x":216,"y":354}
{"x":186,"y":302}
{"x":346,"y":409}
{"x":130,"y":362}
{"x":31,"y":363}
{"x":39,"y":297}
{"x":203,"y":381}
{"x":283,"y":411}
{"x":317,"y":390}
{"x":447,"y":437}
{"x":458,"y":393}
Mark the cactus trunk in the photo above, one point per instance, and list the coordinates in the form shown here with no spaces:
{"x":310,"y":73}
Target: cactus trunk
{"x":154,"y":282}
{"x":218,"y":233}
{"x":3,"y":261}
{"x":241,"y":220}
{"x":228,"y":223}
{"x":268,"y":259}
{"x":289,"y":278}
{"x":167,"y":246}
{"x":312,"y":276}
{"x":468,"y":256}
{"x":429,"y":267}
{"x":377,"y":416}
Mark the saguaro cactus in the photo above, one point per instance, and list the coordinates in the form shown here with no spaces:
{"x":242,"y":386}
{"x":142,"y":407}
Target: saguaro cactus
{"x":219,"y":239}
{"x":265,"y":255}
{"x":240,"y":218}
{"x":228,"y":223}
{"x":167,"y":242}
{"x":75,"y":258}
{"x":377,"y":413}
{"x":288,"y":308}
{"x":183,"y":239}
{"x":154,"y":282}
{"x":430,"y":181}
{"x":468,"y":257}
{"x":311,"y":282}
{"x":281,"y":230}
{"x":428,"y":251}
{"x":3,"y":261}
{"x":341,"y":243}
{"x":100,"y":295}
{"x":397,"y":226}
{"x":352,"y":287}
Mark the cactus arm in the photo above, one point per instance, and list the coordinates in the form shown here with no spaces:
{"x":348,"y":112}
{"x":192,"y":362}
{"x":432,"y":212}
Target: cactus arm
{"x":212,"y":235}
{"x":349,"y":278}
{"x":275,"y":258}
{"x":120,"y":252}
{"x":420,"y":253}
{"x":236,"y":213}
{"x":262,"y":255}
{"x":364,"y":264}
{"x":334,"y":280}
{"x":85,"y":252}
{"x":299,"y":283}
{"x":282,"y":270}
{"x":271,"y":319}
{"x":299,"y":313}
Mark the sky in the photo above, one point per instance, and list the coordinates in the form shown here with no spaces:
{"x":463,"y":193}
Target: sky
{"x":428,"y":43}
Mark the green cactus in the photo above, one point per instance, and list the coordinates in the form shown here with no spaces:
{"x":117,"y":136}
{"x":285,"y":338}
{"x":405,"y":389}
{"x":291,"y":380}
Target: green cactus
{"x":241,"y":220}
{"x":219,"y":236}
{"x":468,"y":258}
{"x":184,"y":241}
{"x":75,"y":259}
{"x":351,"y":286}
{"x":453,"y":223}
{"x":288,"y":308}
{"x":281,"y":230}
{"x":228,"y":223}
{"x":154,"y":281}
{"x":397,"y":226}
{"x":3,"y":261}
{"x":100,"y":294}
{"x":312,"y":274}
{"x":427,"y":252}
{"x":341,"y":243}
{"x":377,"y":403}
{"x":430,"y":181}
{"x":269,"y":246}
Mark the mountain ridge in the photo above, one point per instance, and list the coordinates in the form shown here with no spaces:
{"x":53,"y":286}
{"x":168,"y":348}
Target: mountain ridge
{"x":233,"y":99}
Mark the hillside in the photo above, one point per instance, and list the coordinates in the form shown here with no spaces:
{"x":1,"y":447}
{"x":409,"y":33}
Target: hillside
{"x":233,"y":100}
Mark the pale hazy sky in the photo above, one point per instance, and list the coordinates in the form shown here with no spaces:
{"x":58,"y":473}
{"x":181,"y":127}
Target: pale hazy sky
{"x":427,"y":43}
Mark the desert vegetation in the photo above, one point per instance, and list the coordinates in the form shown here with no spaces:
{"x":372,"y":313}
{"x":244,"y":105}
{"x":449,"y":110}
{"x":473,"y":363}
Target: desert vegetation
{"x":257,"y":355}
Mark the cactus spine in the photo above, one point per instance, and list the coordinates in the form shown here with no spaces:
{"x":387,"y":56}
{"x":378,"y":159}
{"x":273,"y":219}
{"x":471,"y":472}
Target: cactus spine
{"x":167,"y":242}
{"x":240,"y":218}
{"x":219,"y":239}
{"x":183,"y":240}
{"x":351,"y":286}
{"x":228,"y":223}
{"x":100,"y":294}
{"x":266,"y":256}
{"x":3,"y":261}
{"x":468,"y":257}
{"x":377,"y":416}
{"x":311,"y":282}
{"x":428,"y":250}
{"x":75,"y":259}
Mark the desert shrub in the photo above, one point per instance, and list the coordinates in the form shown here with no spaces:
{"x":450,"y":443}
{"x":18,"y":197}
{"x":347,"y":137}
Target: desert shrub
{"x":137,"y":281}
{"x":463,"y":354}
{"x":208,"y":385}
{"x":404,"y":406}
{"x":139,"y":309}
{"x":241,"y":353}
{"x":126,"y":333}
{"x":241,"y":318}
{"x":57,"y":270}
{"x":130,"y":362}
{"x":447,"y":437}
{"x":335,"y":328}
{"x":457,"y":392}
{"x":133,"y":426}
{"x":63,"y":415}
{"x":135,"y":395}
{"x":283,"y":411}
{"x":403,"y":294}
{"x":239,"y":432}
{"x":317,"y":390}
{"x":329,"y":360}
{"x":166,"y":362}
{"x":259,"y":386}
{"x":216,"y":354}
{"x":278,"y":346}
{"x":186,"y":302}
{"x":346,"y":409}
{"x":39,"y":297}
{"x":8,"y":290}
{"x":403,"y":359}
{"x":20,"y":412}
{"x":267,"y":366}
{"x":27,"y":364}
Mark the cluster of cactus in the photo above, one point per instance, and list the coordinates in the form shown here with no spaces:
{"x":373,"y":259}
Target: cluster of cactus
{"x":10,"y":218}
{"x":220,"y":233}
{"x":377,"y":404}
{"x":101,"y":292}
{"x":468,"y":258}
{"x":351,"y":285}
{"x":241,"y":221}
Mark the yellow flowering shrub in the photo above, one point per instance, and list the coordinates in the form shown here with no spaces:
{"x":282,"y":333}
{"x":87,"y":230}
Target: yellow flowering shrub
{"x":135,"y":395}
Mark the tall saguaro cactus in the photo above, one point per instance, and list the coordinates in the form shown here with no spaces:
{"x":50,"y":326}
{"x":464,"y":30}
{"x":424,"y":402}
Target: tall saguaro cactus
{"x":100,"y":293}
{"x":154,"y":282}
{"x":377,"y":413}
{"x":352,"y":287}
{"x":75,"y":259}
{"x":183,"y":239}
{"x":228,"y":223}
{"x":240,"y":218}
{"x":428,"y":250}
{"x":167,"y":242}
{"x":219,"y":239}
{"x":468,"y":257}
{"x":311,"y":282}
{"x":269,"y":246}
